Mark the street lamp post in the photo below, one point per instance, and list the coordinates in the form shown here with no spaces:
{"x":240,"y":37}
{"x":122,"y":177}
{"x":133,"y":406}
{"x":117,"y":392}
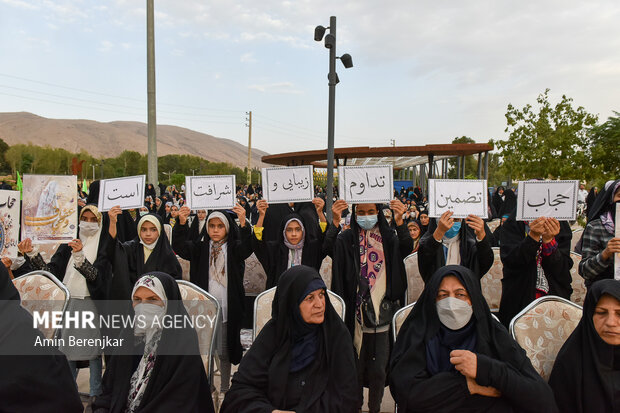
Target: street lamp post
{"x":332,"y":81}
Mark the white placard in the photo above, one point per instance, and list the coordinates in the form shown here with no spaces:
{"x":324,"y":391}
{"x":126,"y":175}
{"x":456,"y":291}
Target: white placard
{"x":49,"y":208}
{"x":551,"y":199}
{"x":288,"y":184}
{"x":9,"y":223}
{"x":617,"y":257}
{"x":366,"y":184}
{"x":210,"y":191}
{"x":126,"y":192}
{"x":461,"y":196}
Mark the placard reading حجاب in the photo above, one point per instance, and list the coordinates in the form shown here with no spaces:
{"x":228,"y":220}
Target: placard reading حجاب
{"x":617,"y":257}
{"x":49,"y":209}
{"x":461,"y":196}
{"x":551,"y":199}
{"x":210,"y":191}
{"x":126,"y":192}
{"x":288,"y":184}
{"x":366,"y":184}
{"x":9,"y":223}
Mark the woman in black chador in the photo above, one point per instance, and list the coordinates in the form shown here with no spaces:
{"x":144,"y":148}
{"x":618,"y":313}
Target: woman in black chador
{"x":302,"y":360}
{"x":452,"y":356}
{"x":586,"y":373}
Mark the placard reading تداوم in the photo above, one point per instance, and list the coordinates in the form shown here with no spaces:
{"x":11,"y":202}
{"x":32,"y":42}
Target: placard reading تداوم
{"x":461,"y":196}
{"x":366,"y":184}
{"x":617,"y":255}
{"x":49,"y":209}
{"x":126,"y":192}
{"x":9,"y":223}
{"x":288,"y":184}
{"x":210,"y":191}
{"x":551,"y":199}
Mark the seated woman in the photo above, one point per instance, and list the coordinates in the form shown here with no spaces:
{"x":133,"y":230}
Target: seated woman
{"x":166,"y":373}
{"x":294,"y":245}
{"x":149,"y":251}
{"x":302,"y":360}
{"x":586,"y":373}
{"x":454,"y":241}
{"x":32,"y":379}
{"x":452,"y":356}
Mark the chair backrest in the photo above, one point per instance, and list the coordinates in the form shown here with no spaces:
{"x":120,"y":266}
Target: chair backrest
{"x":198,"y":302}
{"x":326,"y":271}
{"x":541,"y":329}
{"x":491,"y":282}
{"x":578,"y":283}
{"x":577,"y":233}
{"x":254,"y":276}
{"x":399,"y":318}
{"x":43,"y":292}
{"x":168,"y":231}
{"x":415,"y":283}
{"x":262,"y":308}
{"x":493,"y":224}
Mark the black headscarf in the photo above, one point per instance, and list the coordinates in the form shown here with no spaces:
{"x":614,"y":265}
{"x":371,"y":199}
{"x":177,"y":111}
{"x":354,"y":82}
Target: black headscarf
{"x":273,"y":255}
{"x":509,"y":204}
{"x":129,"y":263}
{"x":178,"y":381}
{"x":586,"y":373}
{"x":30,"y":383}
{"x":262,"y":380}
{"x":501,"y":362}
{"x":93,"y":192}
{"x":604,"y":202}
{"x":590,"y":199}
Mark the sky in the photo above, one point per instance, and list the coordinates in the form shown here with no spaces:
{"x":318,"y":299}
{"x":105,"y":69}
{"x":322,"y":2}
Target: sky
{"x":424,"y":72}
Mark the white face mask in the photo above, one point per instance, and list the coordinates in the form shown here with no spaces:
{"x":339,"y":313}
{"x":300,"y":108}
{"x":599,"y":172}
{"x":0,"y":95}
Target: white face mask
{"x":145,"y":316}
{"x":88,"y":228}
{"x":454,"y":313}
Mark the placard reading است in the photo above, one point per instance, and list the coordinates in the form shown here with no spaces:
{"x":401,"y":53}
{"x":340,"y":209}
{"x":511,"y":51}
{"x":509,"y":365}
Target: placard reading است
{"x":9,"y":223}
{"x":126,"y":192}
{"x":366,"y":184}
{"x":461,"y":196}
{"x":288,"y":184}
{"x":210,"y":191}
{"x":551,"y":199}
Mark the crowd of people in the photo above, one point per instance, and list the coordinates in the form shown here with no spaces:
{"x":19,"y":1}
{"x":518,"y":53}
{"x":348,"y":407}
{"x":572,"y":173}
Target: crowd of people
{"x":451,"y":354}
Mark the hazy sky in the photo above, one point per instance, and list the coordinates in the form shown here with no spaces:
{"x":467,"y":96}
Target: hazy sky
{"x":425,"y":71}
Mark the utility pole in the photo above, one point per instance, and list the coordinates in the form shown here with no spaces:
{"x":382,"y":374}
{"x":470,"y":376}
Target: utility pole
{"x":150,"y":75}
{"x":332,"y":80}
{"x":249,"y":125}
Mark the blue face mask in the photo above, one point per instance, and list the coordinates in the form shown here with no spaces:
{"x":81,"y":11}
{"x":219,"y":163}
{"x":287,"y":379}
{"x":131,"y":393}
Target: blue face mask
{"x":366,"y":221}
{"x":452,"y":232}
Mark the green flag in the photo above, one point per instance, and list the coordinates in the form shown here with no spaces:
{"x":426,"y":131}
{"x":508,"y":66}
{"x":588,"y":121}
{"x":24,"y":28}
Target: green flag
{"x":84,"y":186}
{"x":20,"y":185}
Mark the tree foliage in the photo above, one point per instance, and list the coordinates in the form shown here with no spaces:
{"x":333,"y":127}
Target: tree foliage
{"x":547,"y":141}
{"x":605,"y":148}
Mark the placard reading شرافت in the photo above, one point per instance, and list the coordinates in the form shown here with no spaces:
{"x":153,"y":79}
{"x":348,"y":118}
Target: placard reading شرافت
{"x":49,"y":209}
{"x":126,"y":192}
{"x":210,"y":191}
{"x":9,"y":223}
{"x":461,"y":196}
{"x":366,"y":184}
{"x":551,"y":199}
{"x":288,"y":184}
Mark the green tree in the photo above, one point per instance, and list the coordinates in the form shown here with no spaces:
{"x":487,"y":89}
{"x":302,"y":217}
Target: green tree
{"x":4,"y":165}
{"x":604,"y":148}
{"x":547,"y":141}
{"x":471,"y":162}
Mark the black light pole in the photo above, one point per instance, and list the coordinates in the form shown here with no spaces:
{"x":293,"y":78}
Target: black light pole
{"x":332,"y":81}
